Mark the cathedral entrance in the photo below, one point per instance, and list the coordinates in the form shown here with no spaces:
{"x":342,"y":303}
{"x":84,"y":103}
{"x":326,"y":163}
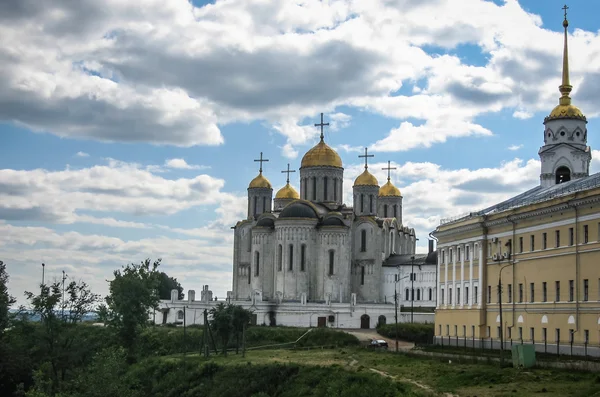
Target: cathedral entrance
{"x":365,"y":321}
{"x":563,"y":174}
{"x":321,"y":322}
{"x":381,"y":320}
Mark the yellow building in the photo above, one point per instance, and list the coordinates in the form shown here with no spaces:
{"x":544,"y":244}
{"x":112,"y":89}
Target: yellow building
{"x":538,"y":254}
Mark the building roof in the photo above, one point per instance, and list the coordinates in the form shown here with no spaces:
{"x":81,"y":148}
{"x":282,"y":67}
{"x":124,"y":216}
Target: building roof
{"x":299,"y":209}
{"x":405,"y":259}
{"x":260,"y":182}
{"x":389,"y":190}
{"x":287,"y":192}
{"x":366,"y":179}
{"x":321,"y":156}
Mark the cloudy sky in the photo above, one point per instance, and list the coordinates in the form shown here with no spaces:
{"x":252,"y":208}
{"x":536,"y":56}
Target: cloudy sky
{"x":128,"y":128}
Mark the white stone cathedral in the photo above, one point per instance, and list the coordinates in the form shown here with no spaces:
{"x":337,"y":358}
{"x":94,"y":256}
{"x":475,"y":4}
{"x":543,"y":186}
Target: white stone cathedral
{"x":311,"y":247}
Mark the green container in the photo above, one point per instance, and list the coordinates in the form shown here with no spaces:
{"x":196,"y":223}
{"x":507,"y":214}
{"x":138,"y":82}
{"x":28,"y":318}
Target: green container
{"x":523,"y":356}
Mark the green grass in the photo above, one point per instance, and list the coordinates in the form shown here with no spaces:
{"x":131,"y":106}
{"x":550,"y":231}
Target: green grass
{"x":464,"y":379}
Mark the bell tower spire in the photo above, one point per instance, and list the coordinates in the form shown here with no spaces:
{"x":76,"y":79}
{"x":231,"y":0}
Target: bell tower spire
{"x":566,"y":87}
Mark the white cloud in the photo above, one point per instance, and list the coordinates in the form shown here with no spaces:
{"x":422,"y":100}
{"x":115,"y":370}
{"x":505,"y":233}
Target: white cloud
{"x":515,"y":147}
{"x":519,"y":114}
{"x":183,"y":165}
{"x":82,"y":154}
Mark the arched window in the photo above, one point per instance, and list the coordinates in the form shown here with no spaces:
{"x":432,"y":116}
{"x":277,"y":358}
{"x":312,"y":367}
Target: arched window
{"x":370,"y":204}
{"x":302,"y":257}
{"x":325,"y":189}
{"x":385,"y":211}
{"x":280,"y":258}
{"x":314,"y":195}
{"x":418,"y":294}
{"x":395,"y":211}
{"x":362,"y":275}
{"x":180,"y":315}
{"x":334,"y":189}
{"x":363,"y":241}
{"x":291,"y":256}
{"x":430,"y":294}
{"x":331,"y":261}
{"x":362,"y":202}
{"x":255,"y":210}
{"x":407,"y":295}
{"x":256,"y":262}
{"x":563,"y":174}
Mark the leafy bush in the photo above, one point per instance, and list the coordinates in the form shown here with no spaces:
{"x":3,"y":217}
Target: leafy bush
{"x":417,"y":333}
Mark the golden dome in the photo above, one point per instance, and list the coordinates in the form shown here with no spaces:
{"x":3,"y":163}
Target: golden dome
{"x":287,"y":192}
{"x":366,"y":179}
{"x":389,"y":190}
{"x":260,"y":182}
{"x":566,"y":112}
{"x":321,"y":155}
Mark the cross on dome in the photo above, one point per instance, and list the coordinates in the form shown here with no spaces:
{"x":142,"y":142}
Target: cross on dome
{"x":288,"y":171}
{"x":322,"y":124}
{"x":388,"y":169}
{"x":366,"y":156}
{"x":261,"y":160}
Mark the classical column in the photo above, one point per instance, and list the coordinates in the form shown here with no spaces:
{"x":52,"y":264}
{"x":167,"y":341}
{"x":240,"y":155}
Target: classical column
{"x":439,"y":278}
{"x":446,"y":262}
{"x":462,"y":275}
{"x":480,"y":282}
{"x":471,"y":292}
{"x":454,"y":276}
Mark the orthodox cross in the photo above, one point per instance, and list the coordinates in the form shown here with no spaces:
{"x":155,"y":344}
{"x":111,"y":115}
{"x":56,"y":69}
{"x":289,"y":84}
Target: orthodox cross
{"x":322,"y":124}
{"x":388,"y":169}
{"x":261,"y":160}
{"x":288,"y":173}
{"x":366,"y":156}
{"x":565,"y":8}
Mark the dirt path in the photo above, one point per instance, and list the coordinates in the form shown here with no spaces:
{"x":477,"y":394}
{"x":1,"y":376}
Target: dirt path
{"x":412,"y":382}
{"x":364,"y":335}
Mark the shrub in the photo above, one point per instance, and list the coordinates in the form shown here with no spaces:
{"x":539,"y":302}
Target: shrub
{"x":417,"y":333}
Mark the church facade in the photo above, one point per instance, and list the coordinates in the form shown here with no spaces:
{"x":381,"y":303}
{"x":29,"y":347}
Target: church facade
{"x":526,"y":270}
{"x":311,"y":245}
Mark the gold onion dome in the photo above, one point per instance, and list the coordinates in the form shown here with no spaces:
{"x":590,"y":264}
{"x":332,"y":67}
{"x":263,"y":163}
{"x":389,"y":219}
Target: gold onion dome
{"x":260,"y":182}
{"x":366,"y":179}
{"x":321,"y":155}
{"x":389,"y":190}
{"x":564,"y":109}
{"x":287,"y":192}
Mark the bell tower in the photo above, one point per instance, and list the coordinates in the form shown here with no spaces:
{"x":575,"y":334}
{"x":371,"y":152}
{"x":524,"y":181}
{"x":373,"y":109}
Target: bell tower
{"x":565,"y":155}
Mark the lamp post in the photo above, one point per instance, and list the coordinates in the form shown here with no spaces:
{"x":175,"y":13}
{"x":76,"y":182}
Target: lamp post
{"x":43,"y":269}
{"x":412,"y":289}
{"x":396,"y":302}
{"x":500,"y":309}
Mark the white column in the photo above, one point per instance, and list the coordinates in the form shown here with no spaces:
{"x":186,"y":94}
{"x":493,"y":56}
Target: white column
{"x":446,"y":262}
{"x":471,"y":255}
{"x":480,"y":282}
{"x":454,"y":276}
{"x":438,"y":287}
{"x":462,"y":275}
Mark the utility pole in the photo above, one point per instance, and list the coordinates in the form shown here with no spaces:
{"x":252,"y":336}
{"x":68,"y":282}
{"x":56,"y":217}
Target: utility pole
{"x":184,"y":339}
{"x":43,"y":268}
{"x":412,"y":287}
{"x":396,"y":310}
{"x":500,"y":309}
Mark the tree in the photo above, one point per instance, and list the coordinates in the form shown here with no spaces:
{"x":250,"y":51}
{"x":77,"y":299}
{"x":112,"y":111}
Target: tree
{"x":227,"y":320}
{"x":166,"y":284}
{"x":133,"y":293}
{"x":6,"y":301}
{"x":240,"y":318}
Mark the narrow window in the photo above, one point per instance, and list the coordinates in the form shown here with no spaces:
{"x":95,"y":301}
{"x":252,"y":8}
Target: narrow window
{"x":280,"y":258}
{"x":509,"y":293}
{"x":544,"y":241}
{"x":475,"y":300}
{"x":291,"y":256}
{"x":472,"y":330}
{"x":442,"y":296}
{"x":385,"y":211}
{"x":532,"y":334}
{"x":532,"y":292}
{"x":370,"y":204}
{"x":256,"y":262}
{"x":557,"y":297}
{"x":489,"y":294}
{"x":430,"y":294}
{"x":331,"y":258}
{"x":544,"y":334}
{"x":557,"y":238}
{"x":544,"y":292}
{"x":305,"y":188}
{"x":467,"y":253}
{"x":571,"y":290}
{"x":314,"y":190}
{"x":571,"y":236}
{"x":532,"y":242}
{"x":334,"y":189}
{"x":450,"y":295}
{"x":363,"y":241}
{"x":458,"y":254}
{"x":418,"y":294}
{"x":362,"y":275}
{"x":586,"y":295}
{"x":362,"y":203}
{"x":407,"y":293}
{"x":395,"y":211}
{"x":264,"y":207}
{"x":520,"y":293}
{"x":466,"y":295}
{"x":498,"y":331}
{"x":325,"y":196}
{"x":557,"y":334}
{"x":447,"y":329}
{"x":586,"y":237}
{"x":255,"y":210}
{"x":302,"y":257}
{"x":521,"y":245}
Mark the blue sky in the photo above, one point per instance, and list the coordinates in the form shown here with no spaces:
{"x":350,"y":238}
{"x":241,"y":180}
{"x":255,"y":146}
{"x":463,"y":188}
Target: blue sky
{"x":132,"y":134}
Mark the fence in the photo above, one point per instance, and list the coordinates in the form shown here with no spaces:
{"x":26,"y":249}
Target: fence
{"x":491,"y":346}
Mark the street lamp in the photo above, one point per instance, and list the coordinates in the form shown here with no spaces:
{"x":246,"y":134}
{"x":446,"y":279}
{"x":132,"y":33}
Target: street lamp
{"x":412,"y":289}
{"x":396,"y":302}
{"x":500,"y":309}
